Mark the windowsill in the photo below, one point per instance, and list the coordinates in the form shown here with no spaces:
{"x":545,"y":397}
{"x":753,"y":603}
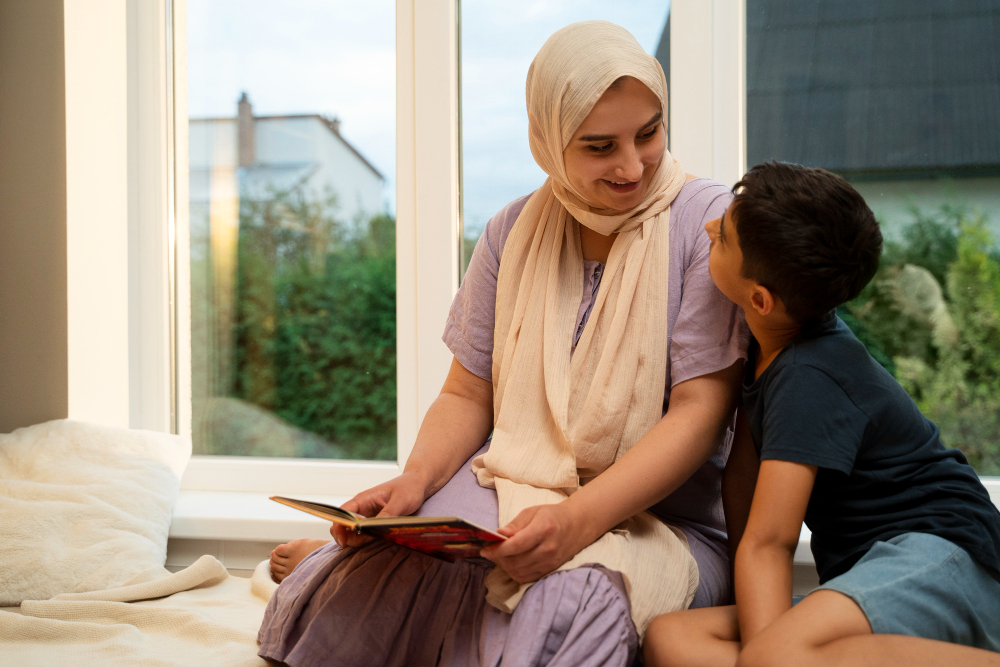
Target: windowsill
{"x":251,"y":517}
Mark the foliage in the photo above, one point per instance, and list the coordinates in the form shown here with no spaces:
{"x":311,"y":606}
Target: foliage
{"x":944,"y":350}
{"x":316,"y":323}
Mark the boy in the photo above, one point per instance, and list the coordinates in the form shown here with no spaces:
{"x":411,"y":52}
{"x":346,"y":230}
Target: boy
{"x":905,"y":537}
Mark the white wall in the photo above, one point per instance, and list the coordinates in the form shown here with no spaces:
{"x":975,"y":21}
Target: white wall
{"x":891,"y":201}
{"x":63,"y":237}
{"x":97,"y":211}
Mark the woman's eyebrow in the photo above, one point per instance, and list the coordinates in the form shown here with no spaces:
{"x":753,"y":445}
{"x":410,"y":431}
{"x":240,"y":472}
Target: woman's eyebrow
{"x":605,"y":137}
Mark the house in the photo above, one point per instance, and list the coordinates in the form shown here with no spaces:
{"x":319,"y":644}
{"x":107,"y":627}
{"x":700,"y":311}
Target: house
{"x":266,"y":154}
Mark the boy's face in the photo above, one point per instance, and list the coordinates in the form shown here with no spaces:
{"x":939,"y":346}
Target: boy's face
{"x":725,"y":260}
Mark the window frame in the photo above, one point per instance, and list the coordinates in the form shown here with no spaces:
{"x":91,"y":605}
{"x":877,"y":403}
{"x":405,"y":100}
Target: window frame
{"x":159,"y":279}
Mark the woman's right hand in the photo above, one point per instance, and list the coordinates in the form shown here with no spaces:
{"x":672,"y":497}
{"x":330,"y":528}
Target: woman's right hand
{"x":399,"y":496}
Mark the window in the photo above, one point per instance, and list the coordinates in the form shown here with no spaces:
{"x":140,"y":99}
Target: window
{"x":499,"y":41}
{"x":292,"y":147}
{"x":903,"y":100}
{"x":422,"y":140}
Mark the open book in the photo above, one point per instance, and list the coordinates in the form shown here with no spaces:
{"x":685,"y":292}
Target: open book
{"x":446,"y":537}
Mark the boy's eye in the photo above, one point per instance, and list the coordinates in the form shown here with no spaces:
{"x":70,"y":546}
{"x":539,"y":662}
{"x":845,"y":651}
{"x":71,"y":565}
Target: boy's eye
{"x":599,"y":148}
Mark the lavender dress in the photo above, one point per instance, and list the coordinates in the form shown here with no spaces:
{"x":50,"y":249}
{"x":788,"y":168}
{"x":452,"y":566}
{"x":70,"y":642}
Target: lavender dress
{"x":385,"y":605}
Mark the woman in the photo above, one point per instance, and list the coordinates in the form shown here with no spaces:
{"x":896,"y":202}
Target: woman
{"x":580,"y":300}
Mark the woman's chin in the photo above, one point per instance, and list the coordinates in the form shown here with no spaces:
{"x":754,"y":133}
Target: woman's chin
{"x":621,"y":201}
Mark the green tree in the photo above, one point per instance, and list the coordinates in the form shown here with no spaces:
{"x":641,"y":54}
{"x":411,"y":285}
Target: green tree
{"x":315,"y":324}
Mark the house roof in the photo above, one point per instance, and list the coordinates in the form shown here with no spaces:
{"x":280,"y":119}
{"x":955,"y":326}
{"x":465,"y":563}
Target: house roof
{"x":329,"y":123}
{"x":874,"y":88}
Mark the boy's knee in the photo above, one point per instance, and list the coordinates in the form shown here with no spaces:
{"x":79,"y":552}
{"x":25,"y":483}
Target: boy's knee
{"x":669,"y":640}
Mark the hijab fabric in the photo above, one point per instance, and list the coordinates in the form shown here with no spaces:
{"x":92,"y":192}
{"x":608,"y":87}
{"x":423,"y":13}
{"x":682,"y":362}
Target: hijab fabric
{"x":562,"y":417}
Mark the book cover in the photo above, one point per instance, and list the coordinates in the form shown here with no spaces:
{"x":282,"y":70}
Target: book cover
{"x":447,"y":537}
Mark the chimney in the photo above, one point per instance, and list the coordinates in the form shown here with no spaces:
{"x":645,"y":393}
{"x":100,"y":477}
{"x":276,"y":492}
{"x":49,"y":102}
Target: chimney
{"x":244,"y":132}
{"x":335,"y":125}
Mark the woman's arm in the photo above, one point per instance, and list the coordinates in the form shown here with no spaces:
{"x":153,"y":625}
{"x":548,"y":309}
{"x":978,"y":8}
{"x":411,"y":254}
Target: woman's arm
{"x":455,"y":426}
{"x":764,"y":557}
{"x":544,"y":537}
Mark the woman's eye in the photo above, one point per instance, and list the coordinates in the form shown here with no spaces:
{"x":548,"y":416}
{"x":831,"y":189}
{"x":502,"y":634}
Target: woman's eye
{"x":599,"y":148}
{"x":651,"y":133}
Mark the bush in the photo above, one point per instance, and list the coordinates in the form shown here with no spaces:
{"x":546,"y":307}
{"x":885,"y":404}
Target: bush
{"x":316,"y":324}
{"x":932,"y":317}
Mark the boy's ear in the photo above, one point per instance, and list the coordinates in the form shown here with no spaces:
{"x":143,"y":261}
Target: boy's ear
{"x":762,"y":300}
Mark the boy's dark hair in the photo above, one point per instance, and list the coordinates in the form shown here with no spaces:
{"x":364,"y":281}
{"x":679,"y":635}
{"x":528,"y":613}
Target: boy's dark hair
{"x":806,"y":235}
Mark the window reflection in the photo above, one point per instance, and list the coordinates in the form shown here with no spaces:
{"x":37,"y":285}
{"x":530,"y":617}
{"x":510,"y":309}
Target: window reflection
{"x":292,"y":133}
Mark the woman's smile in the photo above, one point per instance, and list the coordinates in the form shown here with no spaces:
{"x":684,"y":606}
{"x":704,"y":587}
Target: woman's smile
{"x":623,"y":186}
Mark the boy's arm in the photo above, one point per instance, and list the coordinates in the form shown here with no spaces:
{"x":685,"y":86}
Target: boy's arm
{"x":764,"y":557}
{"x":738,"y":481}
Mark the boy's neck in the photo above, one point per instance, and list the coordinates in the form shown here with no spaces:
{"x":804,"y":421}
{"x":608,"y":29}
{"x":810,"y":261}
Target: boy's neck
{"x":772,"y":335}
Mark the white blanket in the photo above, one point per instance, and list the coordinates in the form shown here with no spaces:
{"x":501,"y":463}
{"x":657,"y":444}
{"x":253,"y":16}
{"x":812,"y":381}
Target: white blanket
{"x":198,"y":616}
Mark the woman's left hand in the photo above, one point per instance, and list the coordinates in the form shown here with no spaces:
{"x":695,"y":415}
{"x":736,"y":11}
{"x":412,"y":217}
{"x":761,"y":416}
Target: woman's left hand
{"x":539,"y":540}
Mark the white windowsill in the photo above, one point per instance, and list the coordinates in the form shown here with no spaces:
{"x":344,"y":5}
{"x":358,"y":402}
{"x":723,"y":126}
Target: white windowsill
{"x":249,"y":517}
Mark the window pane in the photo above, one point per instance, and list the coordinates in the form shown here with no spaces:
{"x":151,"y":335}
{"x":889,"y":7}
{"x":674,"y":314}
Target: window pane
{"x":902,"y":99}
{"x":499,"y":39}
{"x":292,"y":115}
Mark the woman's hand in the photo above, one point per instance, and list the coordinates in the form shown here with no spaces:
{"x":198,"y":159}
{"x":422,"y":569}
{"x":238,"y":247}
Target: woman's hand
{"x":399,"y":496}
{"x":539,"y":540}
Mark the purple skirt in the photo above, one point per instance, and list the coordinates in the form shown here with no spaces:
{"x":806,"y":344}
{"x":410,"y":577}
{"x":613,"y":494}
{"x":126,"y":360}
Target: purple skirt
{"x":381,"y":604}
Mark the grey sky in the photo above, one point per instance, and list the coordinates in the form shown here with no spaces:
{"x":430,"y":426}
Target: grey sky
{"x":338,"y":58}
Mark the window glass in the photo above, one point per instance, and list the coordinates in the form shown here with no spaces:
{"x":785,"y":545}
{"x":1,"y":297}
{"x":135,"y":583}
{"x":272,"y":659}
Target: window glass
{"x":902,"y":98}
{"x":499,"y":39}
{"x":292,"y":118}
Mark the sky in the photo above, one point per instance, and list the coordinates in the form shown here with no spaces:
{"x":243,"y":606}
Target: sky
{"x":338,"y":58}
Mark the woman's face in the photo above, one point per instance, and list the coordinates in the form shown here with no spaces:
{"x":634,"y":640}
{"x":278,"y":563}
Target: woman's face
{"x":617,"y":147}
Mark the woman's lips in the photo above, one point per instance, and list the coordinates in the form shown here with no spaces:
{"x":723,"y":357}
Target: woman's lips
{"x":627,"y":187}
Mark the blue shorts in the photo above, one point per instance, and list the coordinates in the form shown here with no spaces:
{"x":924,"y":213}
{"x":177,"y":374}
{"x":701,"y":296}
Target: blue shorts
{"x":922,"y":585}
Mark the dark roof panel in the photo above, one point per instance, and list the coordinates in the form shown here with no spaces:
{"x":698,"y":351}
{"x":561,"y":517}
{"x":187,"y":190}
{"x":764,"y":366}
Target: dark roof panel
{"x":862,"y":86}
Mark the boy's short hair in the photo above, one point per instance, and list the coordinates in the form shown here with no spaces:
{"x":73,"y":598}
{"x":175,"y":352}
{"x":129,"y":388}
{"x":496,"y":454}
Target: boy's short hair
{"x":806,"y":235}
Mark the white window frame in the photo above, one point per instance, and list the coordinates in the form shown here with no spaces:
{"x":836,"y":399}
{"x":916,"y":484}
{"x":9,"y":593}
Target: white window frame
{"x":427,"y":242}
{"x":707,"y":120}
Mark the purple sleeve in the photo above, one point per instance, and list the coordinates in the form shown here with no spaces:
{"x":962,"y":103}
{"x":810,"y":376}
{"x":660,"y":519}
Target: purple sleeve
{"x":468,"y":332}
{"x":709,"y":332}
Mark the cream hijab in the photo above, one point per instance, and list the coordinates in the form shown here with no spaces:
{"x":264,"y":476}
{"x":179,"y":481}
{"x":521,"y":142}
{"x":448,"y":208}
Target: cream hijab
{"x":559,"y":418}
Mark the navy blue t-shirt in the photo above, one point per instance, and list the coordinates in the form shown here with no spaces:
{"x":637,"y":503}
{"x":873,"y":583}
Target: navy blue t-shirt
{"x":883,"y":471}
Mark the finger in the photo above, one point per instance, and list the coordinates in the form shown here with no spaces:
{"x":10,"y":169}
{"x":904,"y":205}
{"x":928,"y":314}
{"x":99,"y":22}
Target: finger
{"x":521,"y":542}
{"x":524,"y":568}
{"x":522,"y":519}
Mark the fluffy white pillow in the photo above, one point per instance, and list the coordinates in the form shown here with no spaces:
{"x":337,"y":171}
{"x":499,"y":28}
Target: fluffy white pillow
{"x":84,"y":507}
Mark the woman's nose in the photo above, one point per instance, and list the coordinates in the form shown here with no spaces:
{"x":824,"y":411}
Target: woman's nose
{"x":630,"y":166}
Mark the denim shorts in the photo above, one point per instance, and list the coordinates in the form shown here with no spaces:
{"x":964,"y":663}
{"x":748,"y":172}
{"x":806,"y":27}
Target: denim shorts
{"x":922,"y":585}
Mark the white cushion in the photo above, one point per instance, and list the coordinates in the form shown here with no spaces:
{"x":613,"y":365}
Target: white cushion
{"x":84,"y":507}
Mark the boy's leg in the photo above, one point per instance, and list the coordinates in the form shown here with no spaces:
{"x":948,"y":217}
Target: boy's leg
{"x":829,"y":628}
{"x":706,"y":637}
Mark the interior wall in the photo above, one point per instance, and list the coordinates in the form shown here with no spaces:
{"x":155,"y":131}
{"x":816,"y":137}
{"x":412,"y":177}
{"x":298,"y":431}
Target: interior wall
{"x":63,"y":212}
{"x":33,"y":272}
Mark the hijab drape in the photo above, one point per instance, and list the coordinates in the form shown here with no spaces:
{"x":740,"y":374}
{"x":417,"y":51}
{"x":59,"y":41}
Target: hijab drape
{"x":562,"y":416}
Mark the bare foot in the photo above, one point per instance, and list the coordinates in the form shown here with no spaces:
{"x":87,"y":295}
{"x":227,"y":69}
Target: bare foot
{"x":285,"y":557}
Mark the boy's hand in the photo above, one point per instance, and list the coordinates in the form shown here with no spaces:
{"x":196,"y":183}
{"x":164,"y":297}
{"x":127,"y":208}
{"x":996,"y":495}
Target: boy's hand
{"x":399,"y":496}
{"x":539,"y":540}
